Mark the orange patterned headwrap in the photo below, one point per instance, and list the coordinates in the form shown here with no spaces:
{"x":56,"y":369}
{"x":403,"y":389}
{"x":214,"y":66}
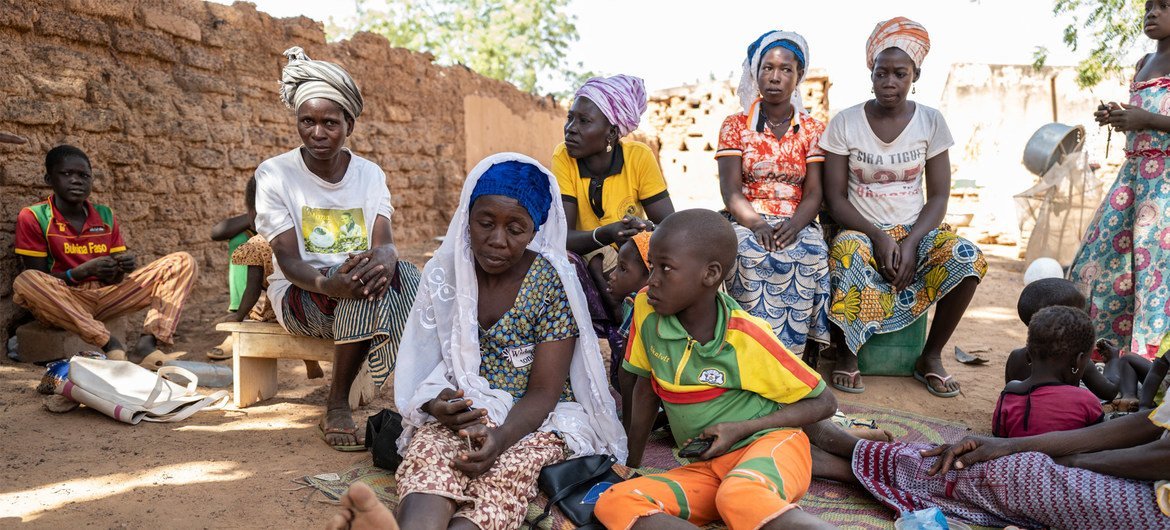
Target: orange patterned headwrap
{"x":898,"y":32}
{"x":642,"y":241}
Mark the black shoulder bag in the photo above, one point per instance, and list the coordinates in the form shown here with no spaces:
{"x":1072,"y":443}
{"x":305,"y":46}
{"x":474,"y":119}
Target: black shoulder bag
{"x":573,"y":486}
{"x":382,"y":432}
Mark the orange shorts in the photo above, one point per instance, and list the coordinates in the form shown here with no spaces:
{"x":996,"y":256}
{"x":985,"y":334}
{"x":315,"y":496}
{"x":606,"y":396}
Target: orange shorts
{"x":745,"y":488}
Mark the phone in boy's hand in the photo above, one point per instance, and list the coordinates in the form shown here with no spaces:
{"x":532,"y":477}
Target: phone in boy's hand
{"x":695,"y":447}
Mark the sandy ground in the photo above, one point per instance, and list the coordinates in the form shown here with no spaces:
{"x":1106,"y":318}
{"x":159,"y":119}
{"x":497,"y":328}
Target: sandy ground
{"x":235,"y":468}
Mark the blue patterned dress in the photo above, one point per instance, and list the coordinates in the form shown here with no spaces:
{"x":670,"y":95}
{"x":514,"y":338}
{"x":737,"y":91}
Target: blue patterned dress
{"x":541,"y":314}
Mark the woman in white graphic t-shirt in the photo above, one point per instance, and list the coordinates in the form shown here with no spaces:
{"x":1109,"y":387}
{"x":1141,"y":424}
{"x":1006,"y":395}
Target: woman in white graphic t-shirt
{"x":887,"y":181}
{"x":326,"y":212}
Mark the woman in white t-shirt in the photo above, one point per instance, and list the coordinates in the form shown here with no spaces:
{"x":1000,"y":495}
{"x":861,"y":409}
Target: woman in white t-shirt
{"x":326,"y":213}
{"x":896,"y":257}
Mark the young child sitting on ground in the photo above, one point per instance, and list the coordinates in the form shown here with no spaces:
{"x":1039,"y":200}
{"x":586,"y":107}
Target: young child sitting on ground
{"x":726,"y":383}
{"x":626,"y":279}
{"x":1050,"y":398}
{"x":1121,"y":372}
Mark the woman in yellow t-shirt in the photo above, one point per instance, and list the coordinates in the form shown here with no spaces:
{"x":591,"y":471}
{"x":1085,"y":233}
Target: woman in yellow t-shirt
{"x":612,"y":188}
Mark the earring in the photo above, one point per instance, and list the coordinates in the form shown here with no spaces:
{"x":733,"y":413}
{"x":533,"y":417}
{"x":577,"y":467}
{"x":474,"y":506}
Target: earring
{"x":1075,"y":370}
{"x":913,"y":89}
{"x":608,"y":147}
{"x":871,"y":90}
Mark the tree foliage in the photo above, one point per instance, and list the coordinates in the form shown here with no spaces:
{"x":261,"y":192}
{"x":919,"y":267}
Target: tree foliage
{"x":518,"y":41}
{"x":1109,"y":29}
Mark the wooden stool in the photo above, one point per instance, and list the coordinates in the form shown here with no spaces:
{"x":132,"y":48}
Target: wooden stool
{"x":256,"y":346}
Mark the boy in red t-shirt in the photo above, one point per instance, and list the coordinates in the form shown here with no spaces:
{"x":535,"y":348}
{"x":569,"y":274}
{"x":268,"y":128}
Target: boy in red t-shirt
{"x":78,"y":272}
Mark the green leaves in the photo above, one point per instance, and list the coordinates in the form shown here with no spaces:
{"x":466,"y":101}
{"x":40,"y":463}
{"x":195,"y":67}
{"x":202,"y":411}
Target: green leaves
{"x":1112,"y":27}
{"x":511,"y":40}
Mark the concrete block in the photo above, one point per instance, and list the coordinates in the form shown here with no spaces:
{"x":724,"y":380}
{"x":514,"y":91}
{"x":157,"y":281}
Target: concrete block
{"x":39,"y":342}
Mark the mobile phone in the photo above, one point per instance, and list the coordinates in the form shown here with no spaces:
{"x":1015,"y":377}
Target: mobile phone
{"x":453,"y":401}
{"x":696,"y":447}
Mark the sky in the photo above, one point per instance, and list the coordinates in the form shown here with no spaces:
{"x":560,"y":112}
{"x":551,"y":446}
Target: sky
{"x":672,"y":43}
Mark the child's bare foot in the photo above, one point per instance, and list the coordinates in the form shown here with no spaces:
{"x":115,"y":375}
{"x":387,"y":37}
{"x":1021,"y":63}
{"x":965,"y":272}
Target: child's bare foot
{"x":1126,"y":404}
{"x":846,"y":376}
{"x":1107,"y":350}
{"x":873,"y":435}
{"x":360,"y":509}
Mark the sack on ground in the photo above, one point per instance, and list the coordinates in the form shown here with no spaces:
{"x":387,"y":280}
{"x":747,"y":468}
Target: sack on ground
{"x":130,"y":393}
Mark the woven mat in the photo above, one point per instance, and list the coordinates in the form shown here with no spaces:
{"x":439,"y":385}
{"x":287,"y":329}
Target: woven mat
{"x":844,"y":506}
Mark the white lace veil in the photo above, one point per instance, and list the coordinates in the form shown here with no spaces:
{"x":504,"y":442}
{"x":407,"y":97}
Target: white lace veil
{"x":440,"y":347}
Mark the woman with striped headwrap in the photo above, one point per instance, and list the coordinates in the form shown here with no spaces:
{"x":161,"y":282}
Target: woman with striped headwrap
{"x":896,"y":258}
{"x":611,"y":188}
{"x":326,"y":212}
{"x":770,"y":178}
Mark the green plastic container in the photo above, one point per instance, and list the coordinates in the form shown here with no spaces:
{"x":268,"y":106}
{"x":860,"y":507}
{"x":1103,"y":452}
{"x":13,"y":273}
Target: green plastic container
{"x":893,"y":353}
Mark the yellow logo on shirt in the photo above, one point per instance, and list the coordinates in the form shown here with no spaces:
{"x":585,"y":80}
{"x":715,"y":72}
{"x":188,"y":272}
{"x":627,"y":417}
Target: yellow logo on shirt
{"x":659,"y":355}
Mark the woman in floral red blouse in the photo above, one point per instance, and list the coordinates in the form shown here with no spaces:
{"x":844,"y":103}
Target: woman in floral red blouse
{"x":770,"y":178}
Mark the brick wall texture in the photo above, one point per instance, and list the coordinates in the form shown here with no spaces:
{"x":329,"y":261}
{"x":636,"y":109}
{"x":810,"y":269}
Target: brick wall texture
{"x":176,"y":103}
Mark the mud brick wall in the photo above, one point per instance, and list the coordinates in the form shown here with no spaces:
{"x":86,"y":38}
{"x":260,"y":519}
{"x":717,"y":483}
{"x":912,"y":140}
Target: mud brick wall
{"x":176,"y":104}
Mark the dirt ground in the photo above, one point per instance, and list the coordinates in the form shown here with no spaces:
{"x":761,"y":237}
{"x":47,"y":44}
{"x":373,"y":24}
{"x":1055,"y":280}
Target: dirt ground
{"x":235,"y":468}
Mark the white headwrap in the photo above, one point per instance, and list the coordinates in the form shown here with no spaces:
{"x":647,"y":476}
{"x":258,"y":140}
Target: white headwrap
{"x":440,"y":347}
{"x":304,"y":79}
{"x":749,"y":87}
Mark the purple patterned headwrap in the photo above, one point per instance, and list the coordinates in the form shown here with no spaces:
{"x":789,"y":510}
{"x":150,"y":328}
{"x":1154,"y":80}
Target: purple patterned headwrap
{"x":621,"y":98}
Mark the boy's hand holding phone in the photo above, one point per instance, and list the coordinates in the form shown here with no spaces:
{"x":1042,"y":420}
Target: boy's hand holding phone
{"x":718,"y":438}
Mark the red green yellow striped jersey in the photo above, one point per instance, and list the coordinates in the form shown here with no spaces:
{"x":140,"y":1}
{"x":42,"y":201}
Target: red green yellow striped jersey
{"x":744,"y":373}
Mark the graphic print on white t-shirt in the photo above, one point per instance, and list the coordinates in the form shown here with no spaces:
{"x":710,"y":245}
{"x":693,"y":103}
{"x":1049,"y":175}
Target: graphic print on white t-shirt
{"x":886,"y":178}
{"x":333,"y":231}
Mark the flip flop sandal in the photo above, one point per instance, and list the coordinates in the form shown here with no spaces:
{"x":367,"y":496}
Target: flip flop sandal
{"x":924,"y":379}
{"x":116,"y":355}
{"x":852,"y":380}
{"x":217,"y":354}
{"x":155,"y":360}
{"x":325,"y":432}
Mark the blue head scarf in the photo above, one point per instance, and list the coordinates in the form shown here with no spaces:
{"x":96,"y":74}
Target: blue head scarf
{"x":521,"y":181}
{"x":782,"y":43}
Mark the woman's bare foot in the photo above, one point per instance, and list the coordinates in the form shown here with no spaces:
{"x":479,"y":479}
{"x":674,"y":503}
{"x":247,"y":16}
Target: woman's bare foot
{"x":932,"y":364}
{"x":361,"y":509}
{"x":339,"y":429}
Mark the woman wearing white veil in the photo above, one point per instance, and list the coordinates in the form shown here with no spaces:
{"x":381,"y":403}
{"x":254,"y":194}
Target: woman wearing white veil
{"x":489,"y":342}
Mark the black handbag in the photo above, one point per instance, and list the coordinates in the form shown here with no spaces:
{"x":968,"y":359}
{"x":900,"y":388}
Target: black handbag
{"x":382,"y":432}
{"x":573,"y":487}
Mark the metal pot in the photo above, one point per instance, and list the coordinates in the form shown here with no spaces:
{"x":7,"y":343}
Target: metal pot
{"x":1050,"y":143}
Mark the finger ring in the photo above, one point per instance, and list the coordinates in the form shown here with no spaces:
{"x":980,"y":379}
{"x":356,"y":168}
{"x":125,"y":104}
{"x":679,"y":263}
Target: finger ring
{"x":361,"y":280}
